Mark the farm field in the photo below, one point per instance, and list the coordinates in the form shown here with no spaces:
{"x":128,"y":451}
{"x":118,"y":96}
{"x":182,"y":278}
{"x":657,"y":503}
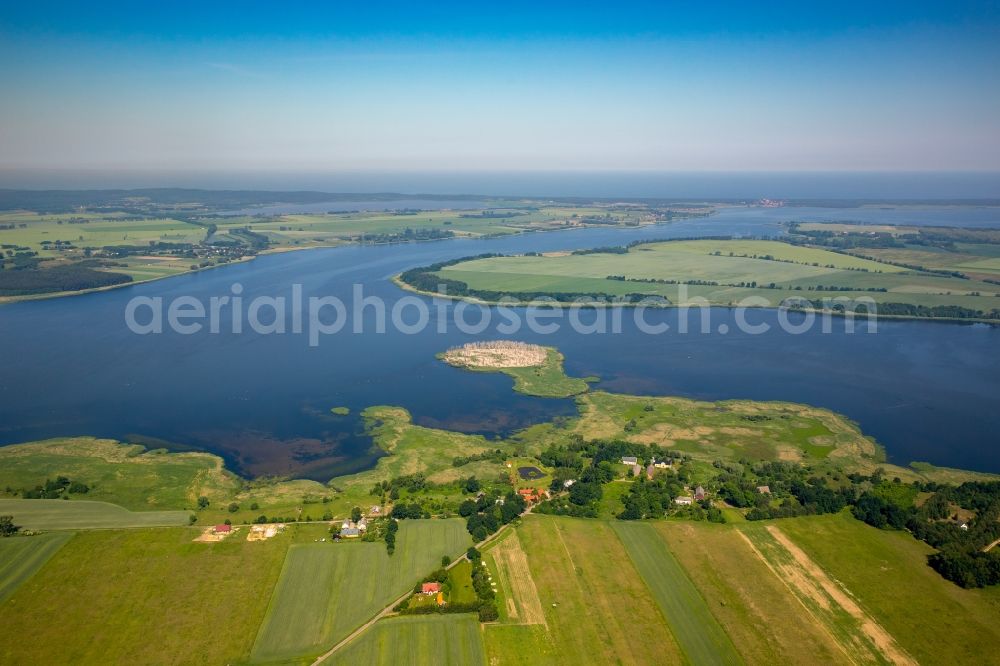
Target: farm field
{"x":723,"y":273}
{"x":326,"y":590}
{"x":92,"y":229}
{"x":931,"y":619}
{"x":21,"y":557}
{"x":42,"y":514}
{"x":143,"y":597}
{"x":443,"y":640}
{"x":580,"y":570}
{"x":755,"y":608}
{"x":694,"y":627}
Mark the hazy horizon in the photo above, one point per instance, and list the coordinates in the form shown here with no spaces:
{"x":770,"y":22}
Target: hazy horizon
{"x":777,"y":86}
{"x":707,"y":185}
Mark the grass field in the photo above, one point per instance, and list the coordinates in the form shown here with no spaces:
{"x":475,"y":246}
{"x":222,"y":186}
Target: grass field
{"x":445,"y":640}
{"x":695,"y":629}
{"x":740,"y":268}
{"x":596,"y":607}
{"x":326,"y":590}
{"x":460,"y":582}
{"x":62,"y":515}
{"x":143,"y":597}
{"x":21,"y":557}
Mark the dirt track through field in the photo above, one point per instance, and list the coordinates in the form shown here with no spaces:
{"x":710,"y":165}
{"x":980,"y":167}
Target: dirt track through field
{"x":810,"y":582}
{"x":512,"y":566}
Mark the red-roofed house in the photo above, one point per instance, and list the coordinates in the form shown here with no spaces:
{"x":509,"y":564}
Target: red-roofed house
{"x":222,"y":529}
{"x":430,"y":588}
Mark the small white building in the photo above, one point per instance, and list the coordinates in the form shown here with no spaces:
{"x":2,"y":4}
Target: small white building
{"x":568,"y":482}
{"x":629,"y":460}
{"x":684,"y":501}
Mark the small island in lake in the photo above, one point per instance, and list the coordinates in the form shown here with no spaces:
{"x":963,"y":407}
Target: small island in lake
{"x":536,"y":370}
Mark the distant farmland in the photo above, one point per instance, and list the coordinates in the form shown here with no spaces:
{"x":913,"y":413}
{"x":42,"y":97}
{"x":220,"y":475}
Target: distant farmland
{"x":722,"y":272}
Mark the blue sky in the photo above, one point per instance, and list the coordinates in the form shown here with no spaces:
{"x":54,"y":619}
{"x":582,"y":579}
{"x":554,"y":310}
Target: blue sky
{"x":593,"y":86}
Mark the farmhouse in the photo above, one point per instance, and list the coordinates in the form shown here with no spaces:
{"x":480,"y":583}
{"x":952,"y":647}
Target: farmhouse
{"x":664,"y":464}
{"x":430,"y":588}
{"x":629,"y":460}
{"x":350,"y":532}
{"x":222,"y":529}
{"x":532,"y":495}
{"x":683,"y":501}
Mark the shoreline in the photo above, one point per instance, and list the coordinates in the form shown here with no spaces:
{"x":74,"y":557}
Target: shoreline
{"x":5,"y":300}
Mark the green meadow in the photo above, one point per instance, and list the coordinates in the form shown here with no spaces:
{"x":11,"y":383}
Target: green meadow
{"x":327,"y":590}
{"x":444,"y":640}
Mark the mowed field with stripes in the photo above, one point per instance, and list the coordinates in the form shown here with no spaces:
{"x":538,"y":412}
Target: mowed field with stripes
{"x":821,"y":589}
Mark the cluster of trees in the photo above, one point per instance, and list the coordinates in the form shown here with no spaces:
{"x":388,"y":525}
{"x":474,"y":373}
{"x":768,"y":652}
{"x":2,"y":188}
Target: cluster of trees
{"x":486,"y":514}
{"x":903,"y":309}
{"x":590,"y":464}
{"x":617,"y":249}
{"x":651,"y":499}
{"x":7,"y":526}
{"x":844,"y":241}
{"x":390,"y":535}
{"x":407,"y":235}
{"x":481,"y":584}
{"x":413,"y":483}
{"x":494,"y":456}
{"x":962,"y":557}
{"x":413,"y":510}
{"x":69,"y":277}
{"x":62,"y":486}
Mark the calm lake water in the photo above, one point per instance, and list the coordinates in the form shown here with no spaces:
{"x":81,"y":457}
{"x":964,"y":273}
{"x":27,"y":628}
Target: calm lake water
{"x":70,"y":366}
